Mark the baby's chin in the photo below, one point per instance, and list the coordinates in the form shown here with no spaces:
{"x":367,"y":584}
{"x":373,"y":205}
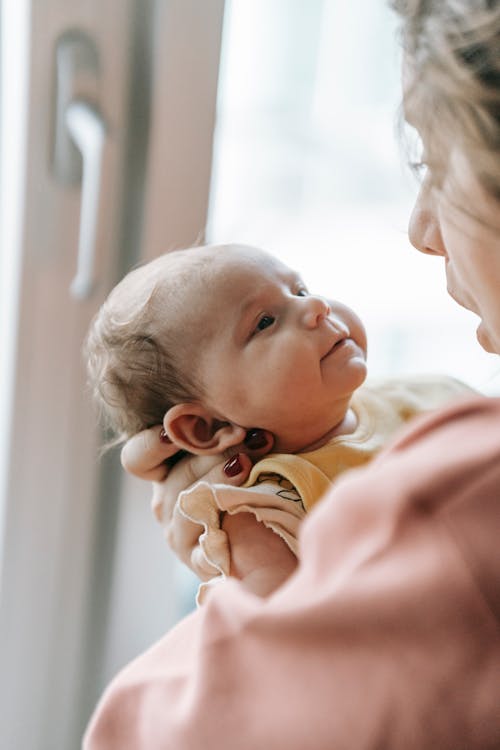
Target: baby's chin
{"x":485,"y":341}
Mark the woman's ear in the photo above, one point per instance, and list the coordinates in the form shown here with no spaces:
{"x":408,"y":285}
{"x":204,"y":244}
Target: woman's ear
{"x":194,"y":428}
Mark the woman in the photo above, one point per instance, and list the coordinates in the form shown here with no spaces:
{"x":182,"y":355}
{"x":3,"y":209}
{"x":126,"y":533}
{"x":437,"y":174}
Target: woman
{"x":387,"y":634}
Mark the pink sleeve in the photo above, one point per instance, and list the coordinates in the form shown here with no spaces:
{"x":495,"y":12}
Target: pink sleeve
{"x":386,"y":637}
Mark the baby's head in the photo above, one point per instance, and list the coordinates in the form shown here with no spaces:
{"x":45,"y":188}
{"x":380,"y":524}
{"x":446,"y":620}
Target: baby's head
{"x":216,"y":340}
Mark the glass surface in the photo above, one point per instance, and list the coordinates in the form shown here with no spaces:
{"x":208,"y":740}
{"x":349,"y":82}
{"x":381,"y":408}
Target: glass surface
{"x":309,"y":165}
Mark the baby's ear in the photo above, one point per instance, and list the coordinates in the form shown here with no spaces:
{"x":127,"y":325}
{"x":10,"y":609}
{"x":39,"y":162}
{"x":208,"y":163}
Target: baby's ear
{"x":194,"y":428}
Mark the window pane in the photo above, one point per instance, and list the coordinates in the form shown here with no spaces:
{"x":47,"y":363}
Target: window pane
{"x":308,"y":165}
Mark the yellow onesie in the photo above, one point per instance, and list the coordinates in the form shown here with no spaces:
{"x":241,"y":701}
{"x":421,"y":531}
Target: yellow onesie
{"x":381,"y":408}
{"x":282,"y":487}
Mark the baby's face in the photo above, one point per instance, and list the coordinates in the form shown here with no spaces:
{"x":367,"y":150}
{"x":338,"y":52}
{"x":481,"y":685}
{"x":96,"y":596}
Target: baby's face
{"x":269,"y":354}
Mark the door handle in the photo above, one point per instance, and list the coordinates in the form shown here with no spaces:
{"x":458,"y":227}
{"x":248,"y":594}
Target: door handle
{"x":79,"y":141}
{"x":88,"y":131}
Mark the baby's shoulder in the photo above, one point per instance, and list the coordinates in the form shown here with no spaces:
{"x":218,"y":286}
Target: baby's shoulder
{"x":414,"y":394}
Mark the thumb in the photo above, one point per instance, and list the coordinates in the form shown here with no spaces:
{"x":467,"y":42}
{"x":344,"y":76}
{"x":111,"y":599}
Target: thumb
{"x":234,"y":471}
{"x":144,"y":454}
{"x":192,"y":469}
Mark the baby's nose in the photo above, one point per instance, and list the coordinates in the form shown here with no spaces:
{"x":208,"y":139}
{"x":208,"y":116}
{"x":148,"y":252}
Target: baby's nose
{"x":316,"y":310}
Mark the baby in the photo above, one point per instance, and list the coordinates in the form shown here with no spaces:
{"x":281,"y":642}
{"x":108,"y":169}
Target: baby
{"x":215,"y":340}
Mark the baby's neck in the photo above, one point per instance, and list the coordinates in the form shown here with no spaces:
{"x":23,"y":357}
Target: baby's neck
{"x":346,"y":427}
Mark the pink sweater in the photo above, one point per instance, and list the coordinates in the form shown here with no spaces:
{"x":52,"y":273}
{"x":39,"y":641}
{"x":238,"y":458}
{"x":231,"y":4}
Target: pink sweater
{"x":386,"y":637}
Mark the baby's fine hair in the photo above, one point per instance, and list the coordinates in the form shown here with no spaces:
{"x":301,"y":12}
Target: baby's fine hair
{"x":453,"y":47}
{"x":132,"y":349}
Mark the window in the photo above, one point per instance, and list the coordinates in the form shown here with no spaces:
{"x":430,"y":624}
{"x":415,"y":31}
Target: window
{"x":308,"y":165}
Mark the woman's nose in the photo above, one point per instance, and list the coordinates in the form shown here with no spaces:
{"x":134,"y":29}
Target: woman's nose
{"x":314,"y":310}
{"x":424,"y":230}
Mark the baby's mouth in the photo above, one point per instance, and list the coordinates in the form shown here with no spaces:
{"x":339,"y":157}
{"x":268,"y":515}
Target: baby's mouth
{"x":335,"y":347}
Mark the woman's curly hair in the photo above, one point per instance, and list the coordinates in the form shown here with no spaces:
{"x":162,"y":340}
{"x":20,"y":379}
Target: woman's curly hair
{"x":453,"y":50}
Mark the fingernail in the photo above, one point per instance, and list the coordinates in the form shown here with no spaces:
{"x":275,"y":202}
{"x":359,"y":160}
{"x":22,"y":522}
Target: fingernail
{"x":255,"y":439}
{"x":164,"y":437}
{"x":233,"y":467}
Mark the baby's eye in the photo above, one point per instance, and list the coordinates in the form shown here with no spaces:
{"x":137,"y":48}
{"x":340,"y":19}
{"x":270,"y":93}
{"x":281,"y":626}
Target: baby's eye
{"x":301,"y":292}
{"x":264,"y":322}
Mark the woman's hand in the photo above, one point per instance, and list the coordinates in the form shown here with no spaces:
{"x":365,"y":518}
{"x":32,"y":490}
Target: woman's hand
{"x":151,"y":455}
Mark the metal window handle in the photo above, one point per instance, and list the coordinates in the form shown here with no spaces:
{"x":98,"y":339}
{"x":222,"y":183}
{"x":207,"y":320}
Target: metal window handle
{"x":88,"y":132}
{"x":79,"y":140}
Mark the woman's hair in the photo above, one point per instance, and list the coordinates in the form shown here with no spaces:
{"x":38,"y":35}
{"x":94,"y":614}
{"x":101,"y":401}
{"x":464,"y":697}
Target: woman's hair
{"x":452,"y":50}
{"x":133,"y":349}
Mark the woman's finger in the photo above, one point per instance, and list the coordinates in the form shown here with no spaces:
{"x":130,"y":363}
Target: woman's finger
{"x":181,"y":533}
{"x":181,"y":476}
{"x":191,"y":469}
{"x":257,"y":442}
{"x":144,"y":454}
